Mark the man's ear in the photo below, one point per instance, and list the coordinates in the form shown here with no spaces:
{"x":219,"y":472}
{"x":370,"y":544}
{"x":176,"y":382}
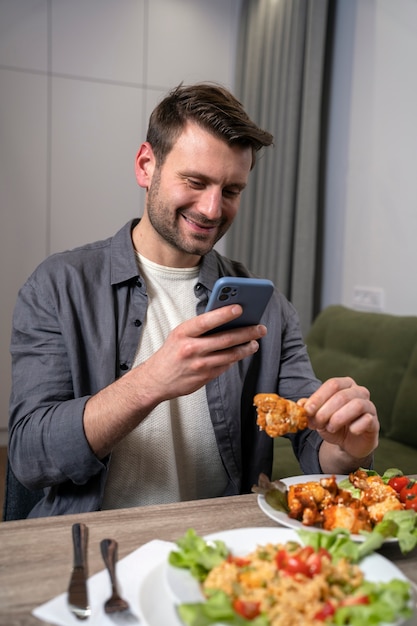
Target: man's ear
{"x":145,"y":165}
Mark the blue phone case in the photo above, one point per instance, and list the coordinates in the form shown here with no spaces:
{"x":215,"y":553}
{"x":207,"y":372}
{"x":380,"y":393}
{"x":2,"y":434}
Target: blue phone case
{"x":253,"y":294}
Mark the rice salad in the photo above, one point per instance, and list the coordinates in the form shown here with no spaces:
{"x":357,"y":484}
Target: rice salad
{"x":318,"y":582}
{"x":290,"y":584}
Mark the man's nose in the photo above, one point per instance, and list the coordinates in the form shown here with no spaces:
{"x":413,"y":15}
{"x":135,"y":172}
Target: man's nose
{"x":210,"y":203}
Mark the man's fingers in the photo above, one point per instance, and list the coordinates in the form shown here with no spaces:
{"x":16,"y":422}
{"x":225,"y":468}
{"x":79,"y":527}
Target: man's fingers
{"x":209,"y":321}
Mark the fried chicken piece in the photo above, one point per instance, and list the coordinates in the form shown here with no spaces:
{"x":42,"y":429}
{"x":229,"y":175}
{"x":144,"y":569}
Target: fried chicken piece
{"x":330,"y":483}
{"x":354,"y":517}
{"x":378,"y":509}
{"x":376,"y":496}
{"x":306,"y":502}
{"x":278,"y":416}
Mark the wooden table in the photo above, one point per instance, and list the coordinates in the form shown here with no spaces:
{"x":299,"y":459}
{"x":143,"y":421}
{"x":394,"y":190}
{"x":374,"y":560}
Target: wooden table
{"x":36,"y":555}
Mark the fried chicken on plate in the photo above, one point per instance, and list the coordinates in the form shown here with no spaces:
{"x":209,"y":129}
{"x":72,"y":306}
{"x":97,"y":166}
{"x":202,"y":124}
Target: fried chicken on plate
{"x":376,"y":496}
{"x":325,"y":504}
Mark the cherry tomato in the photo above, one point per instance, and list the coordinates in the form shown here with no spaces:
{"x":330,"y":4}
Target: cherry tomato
{"x":281,"y":559}
{"x":295,"y":565}
{"x":305,"y":552}
{"x":328,"y":610}
{"x":398,"y":482}
{"x":306,"y":561}
{"x":314,"y":559}
{"x":314,"y":564}
{"x":408,"y":494}
{"x":411,"y":501}
{"x":411,"y":504}
{"x":290,"y":564}
{"x":248,"y":610}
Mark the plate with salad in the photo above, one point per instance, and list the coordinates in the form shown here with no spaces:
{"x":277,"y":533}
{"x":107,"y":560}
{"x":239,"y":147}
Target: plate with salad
{"x":280,"y":577}
{"x":373,"y":508}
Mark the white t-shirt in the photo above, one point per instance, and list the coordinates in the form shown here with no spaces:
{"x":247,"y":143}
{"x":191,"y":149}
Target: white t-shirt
{"x":172,"y":455}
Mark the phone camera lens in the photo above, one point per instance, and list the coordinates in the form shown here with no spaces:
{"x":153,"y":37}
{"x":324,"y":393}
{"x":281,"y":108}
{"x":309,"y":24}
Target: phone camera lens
{"x":224,"y":294}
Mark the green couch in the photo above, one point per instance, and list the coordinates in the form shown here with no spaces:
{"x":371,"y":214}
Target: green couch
{"x":378,"y":351}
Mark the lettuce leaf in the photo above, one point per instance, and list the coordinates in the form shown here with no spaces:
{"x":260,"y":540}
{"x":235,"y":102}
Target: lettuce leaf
{"x":197,"y":555}
{"x":403,"y":526}
{"x":337,"y":542}
{"x":398,"y":524}
{"x":388,"y":602}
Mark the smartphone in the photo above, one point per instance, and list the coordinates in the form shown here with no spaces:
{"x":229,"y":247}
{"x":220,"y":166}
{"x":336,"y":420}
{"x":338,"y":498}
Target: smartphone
{"x":253,"y":294}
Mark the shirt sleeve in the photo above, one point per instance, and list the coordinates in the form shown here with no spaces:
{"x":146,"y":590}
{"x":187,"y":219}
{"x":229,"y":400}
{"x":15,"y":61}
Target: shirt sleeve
{"x":47,"y":444}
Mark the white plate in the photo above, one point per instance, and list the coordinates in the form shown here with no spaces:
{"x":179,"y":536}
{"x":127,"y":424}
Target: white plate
{"x":184,"y":588}
{"x":306,"y":478}
{"x":284,"y":519}
{"x":156,"y":606}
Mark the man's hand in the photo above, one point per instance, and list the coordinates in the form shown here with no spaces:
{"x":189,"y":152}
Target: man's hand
{"x":187,"y":361}
{"x":342,"y":413}
{"x":189,"y":358}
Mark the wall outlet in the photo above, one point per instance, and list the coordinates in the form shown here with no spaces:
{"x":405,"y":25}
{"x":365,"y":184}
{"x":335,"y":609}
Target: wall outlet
{"x":369,"y":299}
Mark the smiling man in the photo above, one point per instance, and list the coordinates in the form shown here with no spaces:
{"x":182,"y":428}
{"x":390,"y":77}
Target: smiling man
{"x":189,"y":207}
{"x":120,"y":397}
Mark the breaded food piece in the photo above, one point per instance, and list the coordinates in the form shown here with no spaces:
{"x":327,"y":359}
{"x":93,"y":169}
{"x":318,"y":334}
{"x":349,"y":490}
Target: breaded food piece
{"x":278,"y":416}
{"x":378,"y":497}
{"x":306,"y":502}
{"x":354,"y":517}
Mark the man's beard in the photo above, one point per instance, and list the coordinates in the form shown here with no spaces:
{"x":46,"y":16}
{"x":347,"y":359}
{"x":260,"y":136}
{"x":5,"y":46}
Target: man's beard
{"x":165,"y":223}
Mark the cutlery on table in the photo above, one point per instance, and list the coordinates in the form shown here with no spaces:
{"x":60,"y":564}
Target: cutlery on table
{"x":116,"y":607}
{"x":77,"y":590}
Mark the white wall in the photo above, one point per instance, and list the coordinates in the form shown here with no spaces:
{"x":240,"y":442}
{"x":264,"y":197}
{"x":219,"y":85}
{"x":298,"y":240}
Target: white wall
{"x":78,"y":79}
{"x":371,"y":195}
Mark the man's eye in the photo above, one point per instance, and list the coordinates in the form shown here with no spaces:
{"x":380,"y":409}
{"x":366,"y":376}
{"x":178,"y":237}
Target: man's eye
{"x":231,"y":193}
{"x":195,"y":184}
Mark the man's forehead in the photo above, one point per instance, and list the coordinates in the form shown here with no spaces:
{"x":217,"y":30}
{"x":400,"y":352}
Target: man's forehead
{"x":198,"y":141}
{"x":193,"y":131}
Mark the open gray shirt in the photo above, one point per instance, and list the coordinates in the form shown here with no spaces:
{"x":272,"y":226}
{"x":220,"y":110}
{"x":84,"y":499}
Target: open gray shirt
{"x":76,"y":327}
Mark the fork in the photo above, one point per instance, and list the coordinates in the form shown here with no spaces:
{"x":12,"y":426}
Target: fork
{"x":116,"y":606}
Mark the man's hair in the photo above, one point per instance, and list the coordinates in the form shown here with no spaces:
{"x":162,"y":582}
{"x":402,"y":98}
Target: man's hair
{"x":210,"y":106}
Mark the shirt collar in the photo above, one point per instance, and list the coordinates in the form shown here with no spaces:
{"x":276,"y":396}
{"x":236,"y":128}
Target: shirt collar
{"x":124,"y":266}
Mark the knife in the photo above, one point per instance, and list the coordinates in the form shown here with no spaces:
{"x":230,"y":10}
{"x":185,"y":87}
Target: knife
{"x":77,"y":590}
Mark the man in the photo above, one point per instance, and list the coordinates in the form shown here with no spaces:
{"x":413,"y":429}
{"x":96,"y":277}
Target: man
{"x":119,"y":397}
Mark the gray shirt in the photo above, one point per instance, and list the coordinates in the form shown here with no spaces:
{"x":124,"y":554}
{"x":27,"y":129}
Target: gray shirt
{"x":76,"y":327}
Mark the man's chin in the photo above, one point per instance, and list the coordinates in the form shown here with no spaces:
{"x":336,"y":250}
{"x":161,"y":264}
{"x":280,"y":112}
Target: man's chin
{"x":199,"y":245}
{"x":198,"y":250}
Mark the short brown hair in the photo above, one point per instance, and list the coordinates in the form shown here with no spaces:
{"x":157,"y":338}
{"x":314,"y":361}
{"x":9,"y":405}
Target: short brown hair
{"x":211,"y":106}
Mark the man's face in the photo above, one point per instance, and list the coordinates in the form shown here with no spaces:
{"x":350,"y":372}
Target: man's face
{"x":194,"y":196}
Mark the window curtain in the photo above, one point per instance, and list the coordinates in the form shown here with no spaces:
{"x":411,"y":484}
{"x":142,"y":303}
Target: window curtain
{"x":283,"y":54}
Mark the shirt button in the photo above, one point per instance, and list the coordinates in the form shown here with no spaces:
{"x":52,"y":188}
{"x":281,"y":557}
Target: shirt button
{"x":137,"y":322}
{"x":124,"y":366}
{"x":138,"y":282}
